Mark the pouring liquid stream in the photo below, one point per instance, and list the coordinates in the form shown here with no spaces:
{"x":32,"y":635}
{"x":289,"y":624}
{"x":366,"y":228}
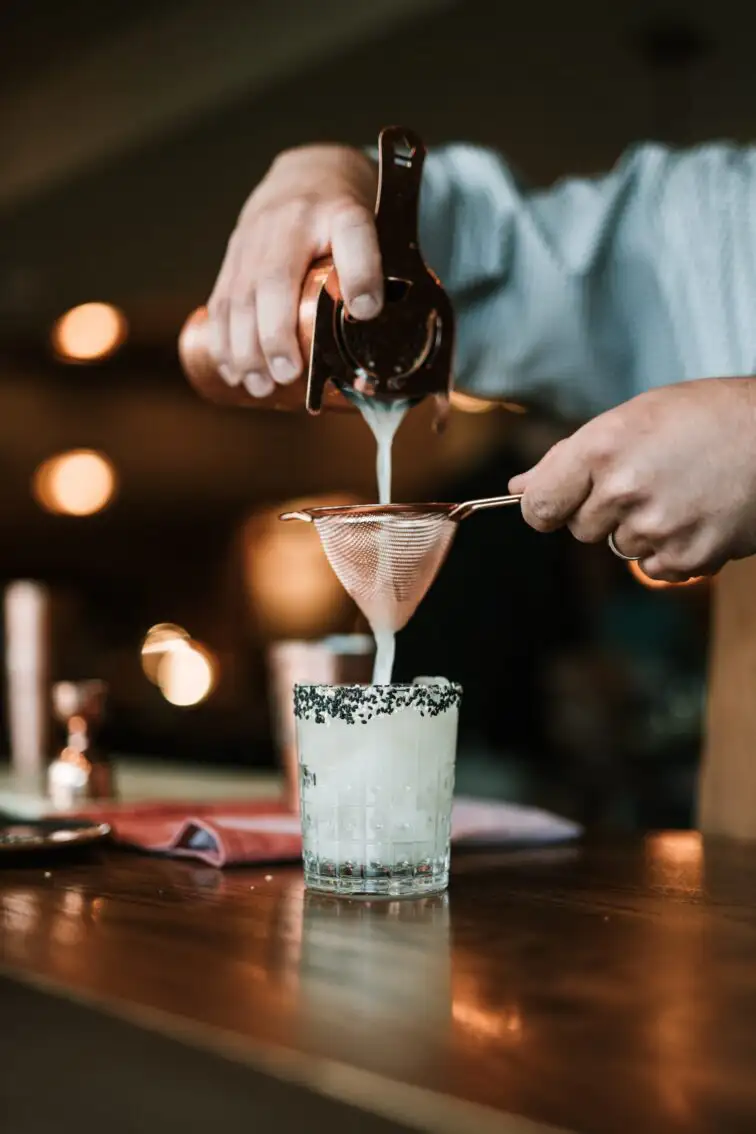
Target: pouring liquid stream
{"x":383,"y":420}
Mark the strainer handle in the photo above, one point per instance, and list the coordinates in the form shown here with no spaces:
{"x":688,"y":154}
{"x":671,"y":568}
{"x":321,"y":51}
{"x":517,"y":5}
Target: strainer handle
{"x":462,"y":511}
{"x":308,"y":519}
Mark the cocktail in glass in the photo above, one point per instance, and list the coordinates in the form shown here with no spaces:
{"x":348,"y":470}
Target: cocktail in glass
{"x":376,"y":783}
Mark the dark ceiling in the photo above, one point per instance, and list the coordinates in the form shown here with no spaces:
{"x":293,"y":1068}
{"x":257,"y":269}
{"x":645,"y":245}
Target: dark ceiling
{"x":158,"y":142}
{"x":36,"y":37}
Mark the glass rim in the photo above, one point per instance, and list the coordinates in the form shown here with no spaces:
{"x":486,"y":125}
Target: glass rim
{"x":359,"y":703}
{"x":407,"y":686}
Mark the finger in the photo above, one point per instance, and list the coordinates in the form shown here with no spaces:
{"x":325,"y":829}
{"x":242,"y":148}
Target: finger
{"x":219,"y":314}
{"x":258,"y":383}
{"x":278,"y":320}
{"x":586,"y":527}
{"x":599,"y":516}
{"x":248,"y":359}
{"x":653,"y":566}
{"x":630,"y":543}
{"x":519,"y":483}
{"x":357,"y":258}
{"x":219,"y":341}
{"x":686,"y":561}
{"x":244,"y":347}
{"x":277,"y":298}
{"x":557,"y":486}
{"x":221,"y":288}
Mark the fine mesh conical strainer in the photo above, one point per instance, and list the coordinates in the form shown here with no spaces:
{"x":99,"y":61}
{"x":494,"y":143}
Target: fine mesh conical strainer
{"x":387,"y":555}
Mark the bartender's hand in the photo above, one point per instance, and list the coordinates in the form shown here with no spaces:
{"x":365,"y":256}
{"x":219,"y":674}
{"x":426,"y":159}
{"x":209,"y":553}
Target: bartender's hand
{"x":672,"y":473}
{"x":313,"y":201}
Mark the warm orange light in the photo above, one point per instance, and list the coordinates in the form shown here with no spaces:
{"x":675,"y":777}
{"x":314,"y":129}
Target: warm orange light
{"x":487,"y":1024}
{"x":187,"y":674}
{"x":467,"y":403}
{"x":659,"y":584}
{"x":90,"y":332}
{"x":159,"y":640}
{"x":675,"y":861}
{"x":78,"y":483}
{"x":678,"y":848}
{"x":293,"y":590}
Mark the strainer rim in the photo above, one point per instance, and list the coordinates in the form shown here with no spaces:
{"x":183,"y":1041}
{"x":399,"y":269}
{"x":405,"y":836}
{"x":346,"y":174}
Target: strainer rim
{"x":434,"y":508}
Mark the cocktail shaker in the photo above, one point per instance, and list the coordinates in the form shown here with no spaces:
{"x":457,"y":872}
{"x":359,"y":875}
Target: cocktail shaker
{"x":404,"y":353}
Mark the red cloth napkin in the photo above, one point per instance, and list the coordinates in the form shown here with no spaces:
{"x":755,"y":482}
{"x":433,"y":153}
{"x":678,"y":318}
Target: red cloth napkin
{"x":234,"y":833}
{"x":221,"y":834}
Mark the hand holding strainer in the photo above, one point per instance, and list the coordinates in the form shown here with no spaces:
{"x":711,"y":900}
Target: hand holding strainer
{"x":387,"y":555}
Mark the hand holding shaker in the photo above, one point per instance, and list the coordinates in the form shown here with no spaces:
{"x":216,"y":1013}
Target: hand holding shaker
{"x":404,"y":353}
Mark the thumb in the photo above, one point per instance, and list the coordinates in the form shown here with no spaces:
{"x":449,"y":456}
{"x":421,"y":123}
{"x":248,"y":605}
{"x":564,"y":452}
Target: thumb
{"x":556,"y":487}
{"x":519,"y":483}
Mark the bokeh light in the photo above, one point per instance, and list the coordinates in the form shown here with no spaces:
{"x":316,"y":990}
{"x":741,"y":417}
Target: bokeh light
{"x":469,"y":404}
{"x":89,"y":332}
{"x":78,"y":483}
{"x":293,"y":590}
{"x":187,"y":674}
{"x":165,"y":637}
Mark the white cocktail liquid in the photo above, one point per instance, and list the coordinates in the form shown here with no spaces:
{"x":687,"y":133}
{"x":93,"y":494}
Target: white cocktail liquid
{"x":385,"y":651}
{"x":384,"y":418}
{"x":376,"y":784}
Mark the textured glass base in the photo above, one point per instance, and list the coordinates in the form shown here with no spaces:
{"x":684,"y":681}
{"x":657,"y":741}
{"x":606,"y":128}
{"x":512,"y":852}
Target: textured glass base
{"x":403,"y":880}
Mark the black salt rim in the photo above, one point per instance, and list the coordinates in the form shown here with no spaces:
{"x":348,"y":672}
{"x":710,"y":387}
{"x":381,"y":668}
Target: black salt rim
{"x":357,"y":704}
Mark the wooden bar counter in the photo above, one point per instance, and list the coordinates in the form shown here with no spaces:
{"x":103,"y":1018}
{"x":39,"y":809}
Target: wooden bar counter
{"x":596,"y":989}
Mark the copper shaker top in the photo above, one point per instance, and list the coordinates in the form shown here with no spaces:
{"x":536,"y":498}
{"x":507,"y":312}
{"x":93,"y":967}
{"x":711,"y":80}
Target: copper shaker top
{"x":403,"y":353}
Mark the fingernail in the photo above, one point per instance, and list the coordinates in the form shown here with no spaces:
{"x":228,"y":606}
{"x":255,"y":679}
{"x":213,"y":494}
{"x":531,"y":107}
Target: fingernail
{"x":364,"y":306}
{"x":259,"y":385}
{"x":232,"y":377}
{"x":284,"y":370}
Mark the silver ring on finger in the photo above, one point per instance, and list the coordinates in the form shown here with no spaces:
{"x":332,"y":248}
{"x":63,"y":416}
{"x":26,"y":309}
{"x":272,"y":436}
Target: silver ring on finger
{"x":620,"y":555}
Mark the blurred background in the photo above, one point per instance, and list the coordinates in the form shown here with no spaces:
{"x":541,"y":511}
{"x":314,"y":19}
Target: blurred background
{"x":131,"y":134}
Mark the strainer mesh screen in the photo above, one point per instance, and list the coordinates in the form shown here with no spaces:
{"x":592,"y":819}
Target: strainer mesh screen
{"x":386,"y":561}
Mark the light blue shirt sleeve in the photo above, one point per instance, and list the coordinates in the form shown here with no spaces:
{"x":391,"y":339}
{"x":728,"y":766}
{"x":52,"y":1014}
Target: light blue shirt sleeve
{"x":595,"y":289}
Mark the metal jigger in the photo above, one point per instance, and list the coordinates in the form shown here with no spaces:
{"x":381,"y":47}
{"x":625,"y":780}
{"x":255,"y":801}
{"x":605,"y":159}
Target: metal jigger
{"x":80,"y":772}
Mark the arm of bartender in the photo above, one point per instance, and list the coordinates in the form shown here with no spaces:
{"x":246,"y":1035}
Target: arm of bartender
{"x":586,"y":293}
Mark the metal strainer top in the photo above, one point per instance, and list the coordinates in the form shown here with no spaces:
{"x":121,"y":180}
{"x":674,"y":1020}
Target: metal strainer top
{"x":386,"y":556}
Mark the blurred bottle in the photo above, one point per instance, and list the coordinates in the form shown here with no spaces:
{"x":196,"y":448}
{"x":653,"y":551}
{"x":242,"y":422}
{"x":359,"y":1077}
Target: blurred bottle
{"x":81,"y":771}
{"x":27,"y":665}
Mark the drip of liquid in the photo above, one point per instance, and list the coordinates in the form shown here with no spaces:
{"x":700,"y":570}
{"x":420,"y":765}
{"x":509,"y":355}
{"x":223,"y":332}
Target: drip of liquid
{"x":383,"y":419}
